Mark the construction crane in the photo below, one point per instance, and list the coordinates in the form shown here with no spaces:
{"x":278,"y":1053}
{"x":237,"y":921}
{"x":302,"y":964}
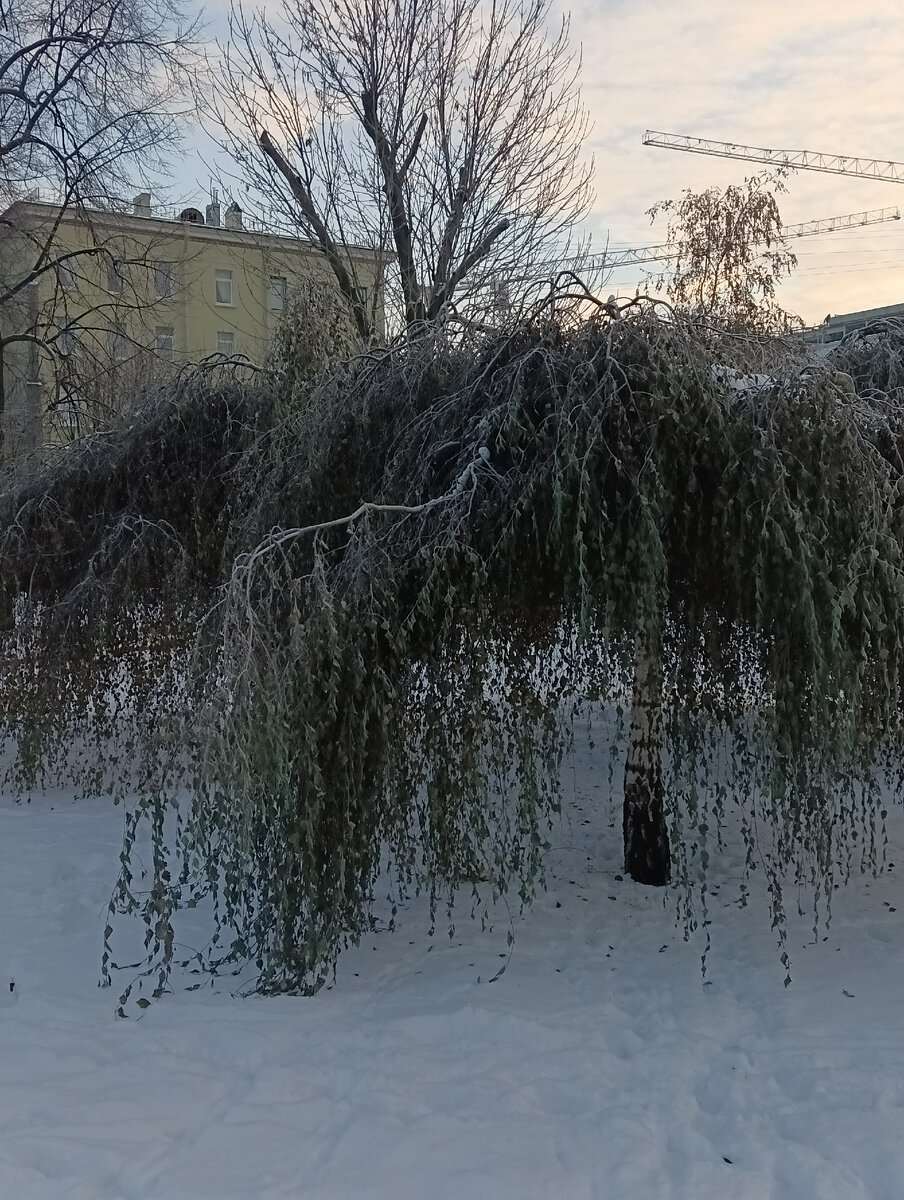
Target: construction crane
{"x":805,"y":160}
{"x":874,"y":216}
{"x":611,"y":259}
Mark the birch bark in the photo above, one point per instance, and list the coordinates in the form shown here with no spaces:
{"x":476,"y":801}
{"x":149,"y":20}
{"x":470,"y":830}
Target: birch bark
{"x":647,"y":853}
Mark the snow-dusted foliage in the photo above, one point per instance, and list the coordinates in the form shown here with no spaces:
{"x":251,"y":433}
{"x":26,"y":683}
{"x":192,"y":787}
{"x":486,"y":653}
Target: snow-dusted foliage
{"x":347,"y":638}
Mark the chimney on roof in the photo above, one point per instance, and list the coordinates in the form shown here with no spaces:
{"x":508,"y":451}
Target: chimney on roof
{"x":141,"y":205}
{"x":234,"y":217}
{"x":212,"y":211}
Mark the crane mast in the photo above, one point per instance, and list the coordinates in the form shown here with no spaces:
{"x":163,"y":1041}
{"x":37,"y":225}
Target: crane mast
{"x":805,"y":160}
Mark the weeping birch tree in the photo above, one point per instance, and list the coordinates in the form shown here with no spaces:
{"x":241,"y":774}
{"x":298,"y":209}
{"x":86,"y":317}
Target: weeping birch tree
{"x":729,"y":254}
{"x":337,"y":646}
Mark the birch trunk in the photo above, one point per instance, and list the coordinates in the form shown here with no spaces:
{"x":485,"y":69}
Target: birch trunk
{"x":647,"y":854}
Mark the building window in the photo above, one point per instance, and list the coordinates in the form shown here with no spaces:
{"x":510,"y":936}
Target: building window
{"x":163,"y":341}
{"x":67,"y":413}
{"x":223,"y":293}
{"x":117,"y":342}
{"x":67,"y":342}
{"x":226,"y":342}
{"x":117,"y":275}
{"x":66,"y":276}
{"x":164,"y":281}
{"x":276,"y":293}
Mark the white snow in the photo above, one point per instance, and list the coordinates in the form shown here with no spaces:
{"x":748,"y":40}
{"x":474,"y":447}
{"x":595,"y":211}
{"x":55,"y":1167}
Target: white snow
{"x":601,"y":1064}
{"x":737,"y":381}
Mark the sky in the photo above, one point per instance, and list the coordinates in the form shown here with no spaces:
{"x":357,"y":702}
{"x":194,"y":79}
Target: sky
{"x":791,"y":75}
{"x":788,"y":74}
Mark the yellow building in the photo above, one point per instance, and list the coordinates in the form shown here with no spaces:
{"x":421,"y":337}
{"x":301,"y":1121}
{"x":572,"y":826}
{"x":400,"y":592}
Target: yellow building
{"x":133,"y":297}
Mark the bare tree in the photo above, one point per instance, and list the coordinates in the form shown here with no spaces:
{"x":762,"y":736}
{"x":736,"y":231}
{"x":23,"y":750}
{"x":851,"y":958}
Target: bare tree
{"x":446,"y":133}
{"x":89,"y":108}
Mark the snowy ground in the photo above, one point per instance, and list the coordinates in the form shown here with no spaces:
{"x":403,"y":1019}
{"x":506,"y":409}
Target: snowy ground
{"x":599,"y":1065}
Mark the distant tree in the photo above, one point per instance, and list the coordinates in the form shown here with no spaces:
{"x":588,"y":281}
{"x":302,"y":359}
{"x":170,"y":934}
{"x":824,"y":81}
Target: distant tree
{"x":315,"y":333}
{"x":89,"y":110}
{"x":730,"y":254}
{"x":446,"y":133}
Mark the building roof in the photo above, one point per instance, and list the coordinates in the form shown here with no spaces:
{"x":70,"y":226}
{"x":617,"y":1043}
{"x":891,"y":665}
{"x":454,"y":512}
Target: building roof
{"x":164,"y":222}
{"x":834,"y":328}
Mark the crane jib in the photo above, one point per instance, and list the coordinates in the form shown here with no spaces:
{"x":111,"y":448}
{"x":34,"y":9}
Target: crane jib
{"x":805,"y":160}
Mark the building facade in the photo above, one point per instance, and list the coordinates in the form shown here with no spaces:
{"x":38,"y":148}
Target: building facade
{"x":134,"y":297}
{"x":834,"y":328}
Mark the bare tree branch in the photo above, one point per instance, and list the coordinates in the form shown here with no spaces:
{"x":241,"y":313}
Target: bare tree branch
{"x":324,"y":240}
{"x":444,"y":134}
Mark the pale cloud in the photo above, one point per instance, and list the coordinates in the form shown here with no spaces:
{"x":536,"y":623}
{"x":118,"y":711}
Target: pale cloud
{"x":793,"y":75}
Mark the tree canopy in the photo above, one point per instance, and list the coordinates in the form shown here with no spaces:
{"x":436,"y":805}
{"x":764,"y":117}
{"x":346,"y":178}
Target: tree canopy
{"x":348,"y":632}
{"x":445,"y":134}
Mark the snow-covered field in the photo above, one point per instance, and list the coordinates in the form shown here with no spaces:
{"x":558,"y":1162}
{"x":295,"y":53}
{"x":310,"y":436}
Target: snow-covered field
{"x":601,"y":1064}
